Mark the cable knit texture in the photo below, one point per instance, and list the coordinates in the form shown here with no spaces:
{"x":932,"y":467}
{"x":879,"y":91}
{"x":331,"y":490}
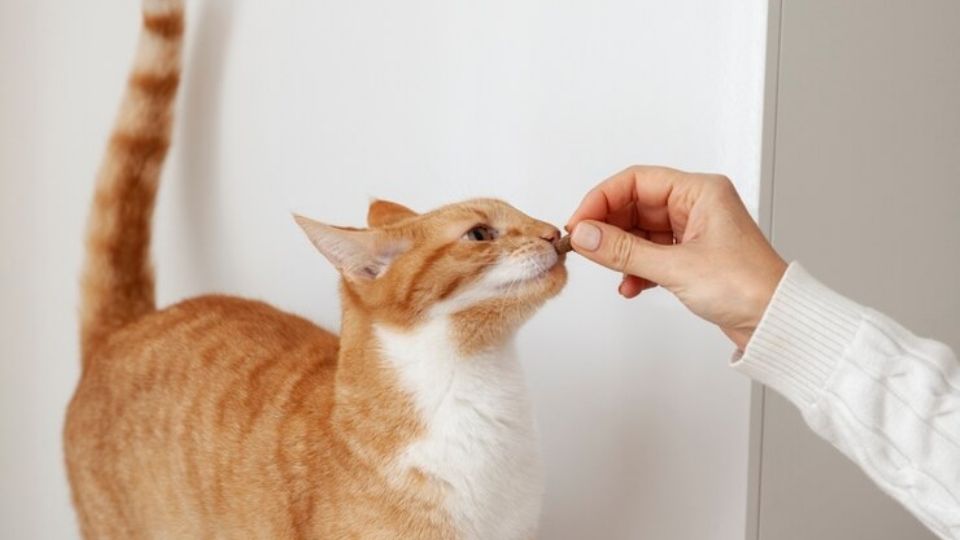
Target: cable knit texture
{"x":888,"y":400}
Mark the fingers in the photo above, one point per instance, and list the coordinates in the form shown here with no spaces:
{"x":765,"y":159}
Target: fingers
{"x":619,"y":250}
{"x":645,"y":218}
{"x":624,"y":218}
{"x":662,"y":238}
{"x":631,"y":286}
{"x":648,"y":187}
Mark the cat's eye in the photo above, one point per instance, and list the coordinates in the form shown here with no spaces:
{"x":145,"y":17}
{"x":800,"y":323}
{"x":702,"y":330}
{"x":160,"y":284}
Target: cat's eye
{"x":481,"y":233}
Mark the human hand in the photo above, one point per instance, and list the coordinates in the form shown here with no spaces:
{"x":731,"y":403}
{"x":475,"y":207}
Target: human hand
{"x":689,"y":233}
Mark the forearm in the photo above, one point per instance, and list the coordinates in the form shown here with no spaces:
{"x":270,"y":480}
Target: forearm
{"x":887,"y":399}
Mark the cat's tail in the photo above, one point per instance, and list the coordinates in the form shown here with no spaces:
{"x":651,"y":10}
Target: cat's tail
{"x":117,"y":283}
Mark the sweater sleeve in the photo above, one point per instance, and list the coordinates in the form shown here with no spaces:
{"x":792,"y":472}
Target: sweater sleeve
{"x":888,"y":400}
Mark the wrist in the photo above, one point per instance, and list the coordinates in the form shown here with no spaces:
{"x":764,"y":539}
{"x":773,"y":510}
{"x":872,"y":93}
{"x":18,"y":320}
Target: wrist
{"x":757,"y":296}
{"x":739,"y":337}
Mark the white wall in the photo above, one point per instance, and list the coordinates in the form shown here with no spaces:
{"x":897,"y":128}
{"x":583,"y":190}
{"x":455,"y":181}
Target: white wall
{"x":316,"y":106}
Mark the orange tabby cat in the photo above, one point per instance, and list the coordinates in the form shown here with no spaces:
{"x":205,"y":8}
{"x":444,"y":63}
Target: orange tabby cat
{"x":223,"y":417}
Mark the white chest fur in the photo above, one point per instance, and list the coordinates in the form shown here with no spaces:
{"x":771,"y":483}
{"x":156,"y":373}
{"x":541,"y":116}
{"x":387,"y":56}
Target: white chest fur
{"x":480,"y":436}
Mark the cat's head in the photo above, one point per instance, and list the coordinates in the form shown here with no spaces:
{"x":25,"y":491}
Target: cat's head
{"x":482,"y":264}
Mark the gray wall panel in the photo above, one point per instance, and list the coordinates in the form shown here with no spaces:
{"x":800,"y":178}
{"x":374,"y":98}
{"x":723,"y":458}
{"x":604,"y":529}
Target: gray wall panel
{"x":865,"y":191}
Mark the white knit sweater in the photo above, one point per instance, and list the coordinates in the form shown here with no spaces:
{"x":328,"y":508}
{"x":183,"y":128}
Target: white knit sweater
{"x":888,"y":400}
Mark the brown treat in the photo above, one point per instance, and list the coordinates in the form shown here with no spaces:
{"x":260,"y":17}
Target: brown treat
{"x":563,"y":245}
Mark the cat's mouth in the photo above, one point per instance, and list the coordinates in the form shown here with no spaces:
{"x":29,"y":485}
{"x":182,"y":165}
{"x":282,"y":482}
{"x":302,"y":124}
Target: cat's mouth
{"x":539,"y":275}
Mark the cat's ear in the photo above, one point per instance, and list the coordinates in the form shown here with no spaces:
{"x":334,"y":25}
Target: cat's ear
{"x":385,"y":213}
{"x":358,"y":254}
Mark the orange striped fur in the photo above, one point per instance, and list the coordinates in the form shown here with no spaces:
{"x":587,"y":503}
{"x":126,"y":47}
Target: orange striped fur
{"x":221,"y":417}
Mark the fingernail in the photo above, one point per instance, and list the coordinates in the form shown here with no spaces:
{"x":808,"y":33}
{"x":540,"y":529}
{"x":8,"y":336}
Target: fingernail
{"x":586,"y":236}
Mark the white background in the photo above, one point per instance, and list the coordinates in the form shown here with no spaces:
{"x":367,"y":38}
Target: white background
{"x":317,"y":106}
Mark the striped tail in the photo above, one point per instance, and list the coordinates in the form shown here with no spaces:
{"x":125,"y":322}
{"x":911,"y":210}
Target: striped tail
{"x":117,"y":285}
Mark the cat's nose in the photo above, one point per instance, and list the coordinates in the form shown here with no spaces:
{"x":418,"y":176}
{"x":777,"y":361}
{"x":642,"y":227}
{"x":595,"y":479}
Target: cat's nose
{"x":551,"y":235}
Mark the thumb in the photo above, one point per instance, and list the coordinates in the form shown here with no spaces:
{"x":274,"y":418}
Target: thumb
{"x":619,"y":250}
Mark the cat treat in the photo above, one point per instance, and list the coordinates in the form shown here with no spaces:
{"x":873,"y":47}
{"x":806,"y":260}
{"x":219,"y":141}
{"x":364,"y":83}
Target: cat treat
{"x":563,"y":245}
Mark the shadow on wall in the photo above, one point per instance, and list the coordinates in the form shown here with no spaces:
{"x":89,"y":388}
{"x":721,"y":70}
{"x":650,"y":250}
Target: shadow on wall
{"x":199,"y":137}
